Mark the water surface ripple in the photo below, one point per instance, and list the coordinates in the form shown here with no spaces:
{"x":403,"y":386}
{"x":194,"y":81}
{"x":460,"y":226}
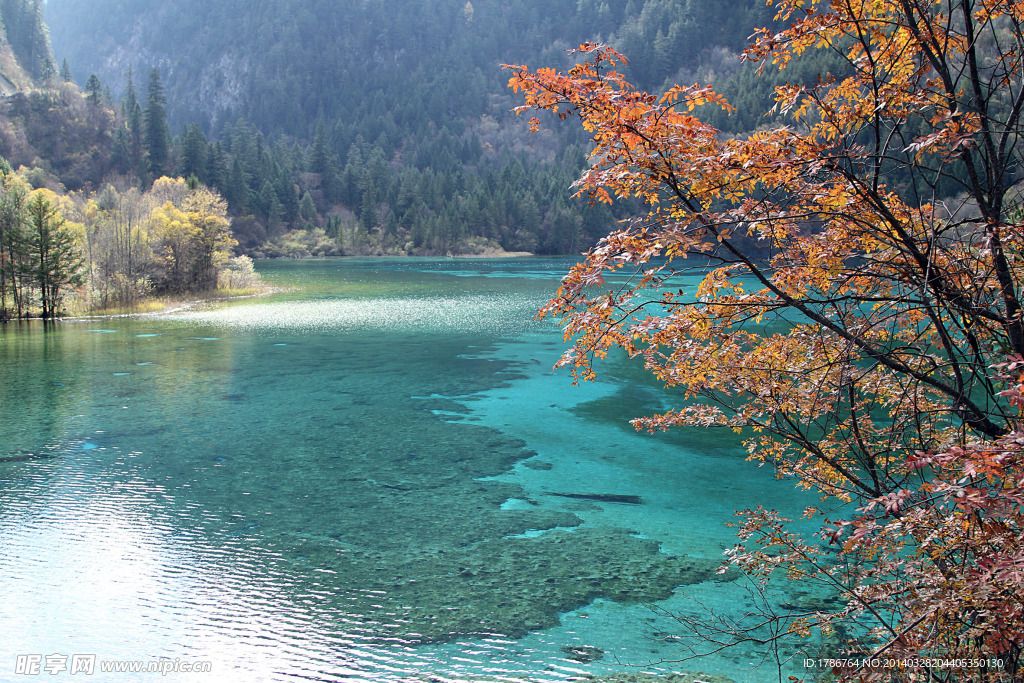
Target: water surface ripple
{"x":372,"y":476}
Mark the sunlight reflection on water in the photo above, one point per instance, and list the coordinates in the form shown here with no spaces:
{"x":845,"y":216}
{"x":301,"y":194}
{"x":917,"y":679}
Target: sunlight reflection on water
{"x":500,"y":314}
{"x":121,"y":578}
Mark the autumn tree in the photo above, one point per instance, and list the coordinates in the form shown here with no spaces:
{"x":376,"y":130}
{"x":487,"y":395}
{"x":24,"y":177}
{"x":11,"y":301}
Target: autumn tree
{"x":857,"y":313}
{"x":170,"y":229}
{"x":211,"y":236}
{"x":192,"y":237}
{"x":118,"y":245}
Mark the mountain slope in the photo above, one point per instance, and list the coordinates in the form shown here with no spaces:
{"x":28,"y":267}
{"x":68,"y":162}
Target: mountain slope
{"x":12,"y":77}
{"x":25,"y":52}
{"x":285,"y":65}
{"x":45,"y":124}
{"x":390,"y":115}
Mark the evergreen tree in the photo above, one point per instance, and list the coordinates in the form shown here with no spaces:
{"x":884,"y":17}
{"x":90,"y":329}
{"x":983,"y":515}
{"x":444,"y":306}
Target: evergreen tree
{"x":65,"y":71}
{"x":157,"y":137}
{"x":368,"y":215}
{"x":236,"y":189}
{"x":55,"y":259}
{"x":322,"y":162}
{"x":120,"y":154}
{"x":216,"y":166}
{"x":93,"y":90}
{"x":287,"y":197}
{"x":12,"y":239}
{"x":193,"y":153}
{"x":43,"y":65}
{"x":307,"y":209}
{"x":352,"y":178}
{"x":269,"y":205}
{"x":132,"y":137}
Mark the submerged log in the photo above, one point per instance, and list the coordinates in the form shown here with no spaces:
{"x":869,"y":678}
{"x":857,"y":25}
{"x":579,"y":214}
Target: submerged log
{"x":24,"y":457}
{"x":603,"y":497}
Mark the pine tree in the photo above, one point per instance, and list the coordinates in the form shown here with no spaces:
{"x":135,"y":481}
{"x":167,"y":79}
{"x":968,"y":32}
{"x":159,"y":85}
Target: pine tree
{"x":156,"y":132}
{"x":28,"y":36}
{"x":55,"y":257}
{"x":288,"y":197}
{"x":236,"y":188}
{"x":12,"y":238}
{"x":307,"y":208}
{"x":93,"y":90}
{"x":323,"y":163}
{"x":216,"y":166}
{"x":65,"y":71}
{"x":133,"y":116}
{"x":193,"y":153}
{"x":42,"y":63}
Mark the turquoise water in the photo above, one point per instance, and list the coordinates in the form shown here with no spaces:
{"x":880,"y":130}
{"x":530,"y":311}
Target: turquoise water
{"x":373,"y":475}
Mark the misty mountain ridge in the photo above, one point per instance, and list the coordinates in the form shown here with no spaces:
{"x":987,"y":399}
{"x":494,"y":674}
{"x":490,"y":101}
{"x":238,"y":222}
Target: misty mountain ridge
{"x":365,"y":126}
{"x":286,"y":65}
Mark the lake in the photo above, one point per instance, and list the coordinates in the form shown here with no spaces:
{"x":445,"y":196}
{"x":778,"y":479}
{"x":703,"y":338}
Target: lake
{"x":372,"y":475}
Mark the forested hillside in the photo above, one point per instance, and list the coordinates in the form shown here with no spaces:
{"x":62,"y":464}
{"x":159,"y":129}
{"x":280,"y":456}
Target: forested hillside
{"x":24,"y":45}
{"x":375,"y":127}
{"x":372,"y":68}
{"x":70,"y":241}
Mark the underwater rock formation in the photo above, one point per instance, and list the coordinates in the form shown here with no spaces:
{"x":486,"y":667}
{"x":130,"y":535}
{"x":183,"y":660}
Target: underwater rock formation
{"x":503,"y":586}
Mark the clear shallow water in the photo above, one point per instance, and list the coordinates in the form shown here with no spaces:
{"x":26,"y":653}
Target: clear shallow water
{"x":373,"y":476}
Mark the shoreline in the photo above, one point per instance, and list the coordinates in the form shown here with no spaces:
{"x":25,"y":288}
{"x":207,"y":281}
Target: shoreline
{"x":503,"y":254}
{"x":165,"y":306}
{"x":174,"y":305}
{"x":488,"y":254}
